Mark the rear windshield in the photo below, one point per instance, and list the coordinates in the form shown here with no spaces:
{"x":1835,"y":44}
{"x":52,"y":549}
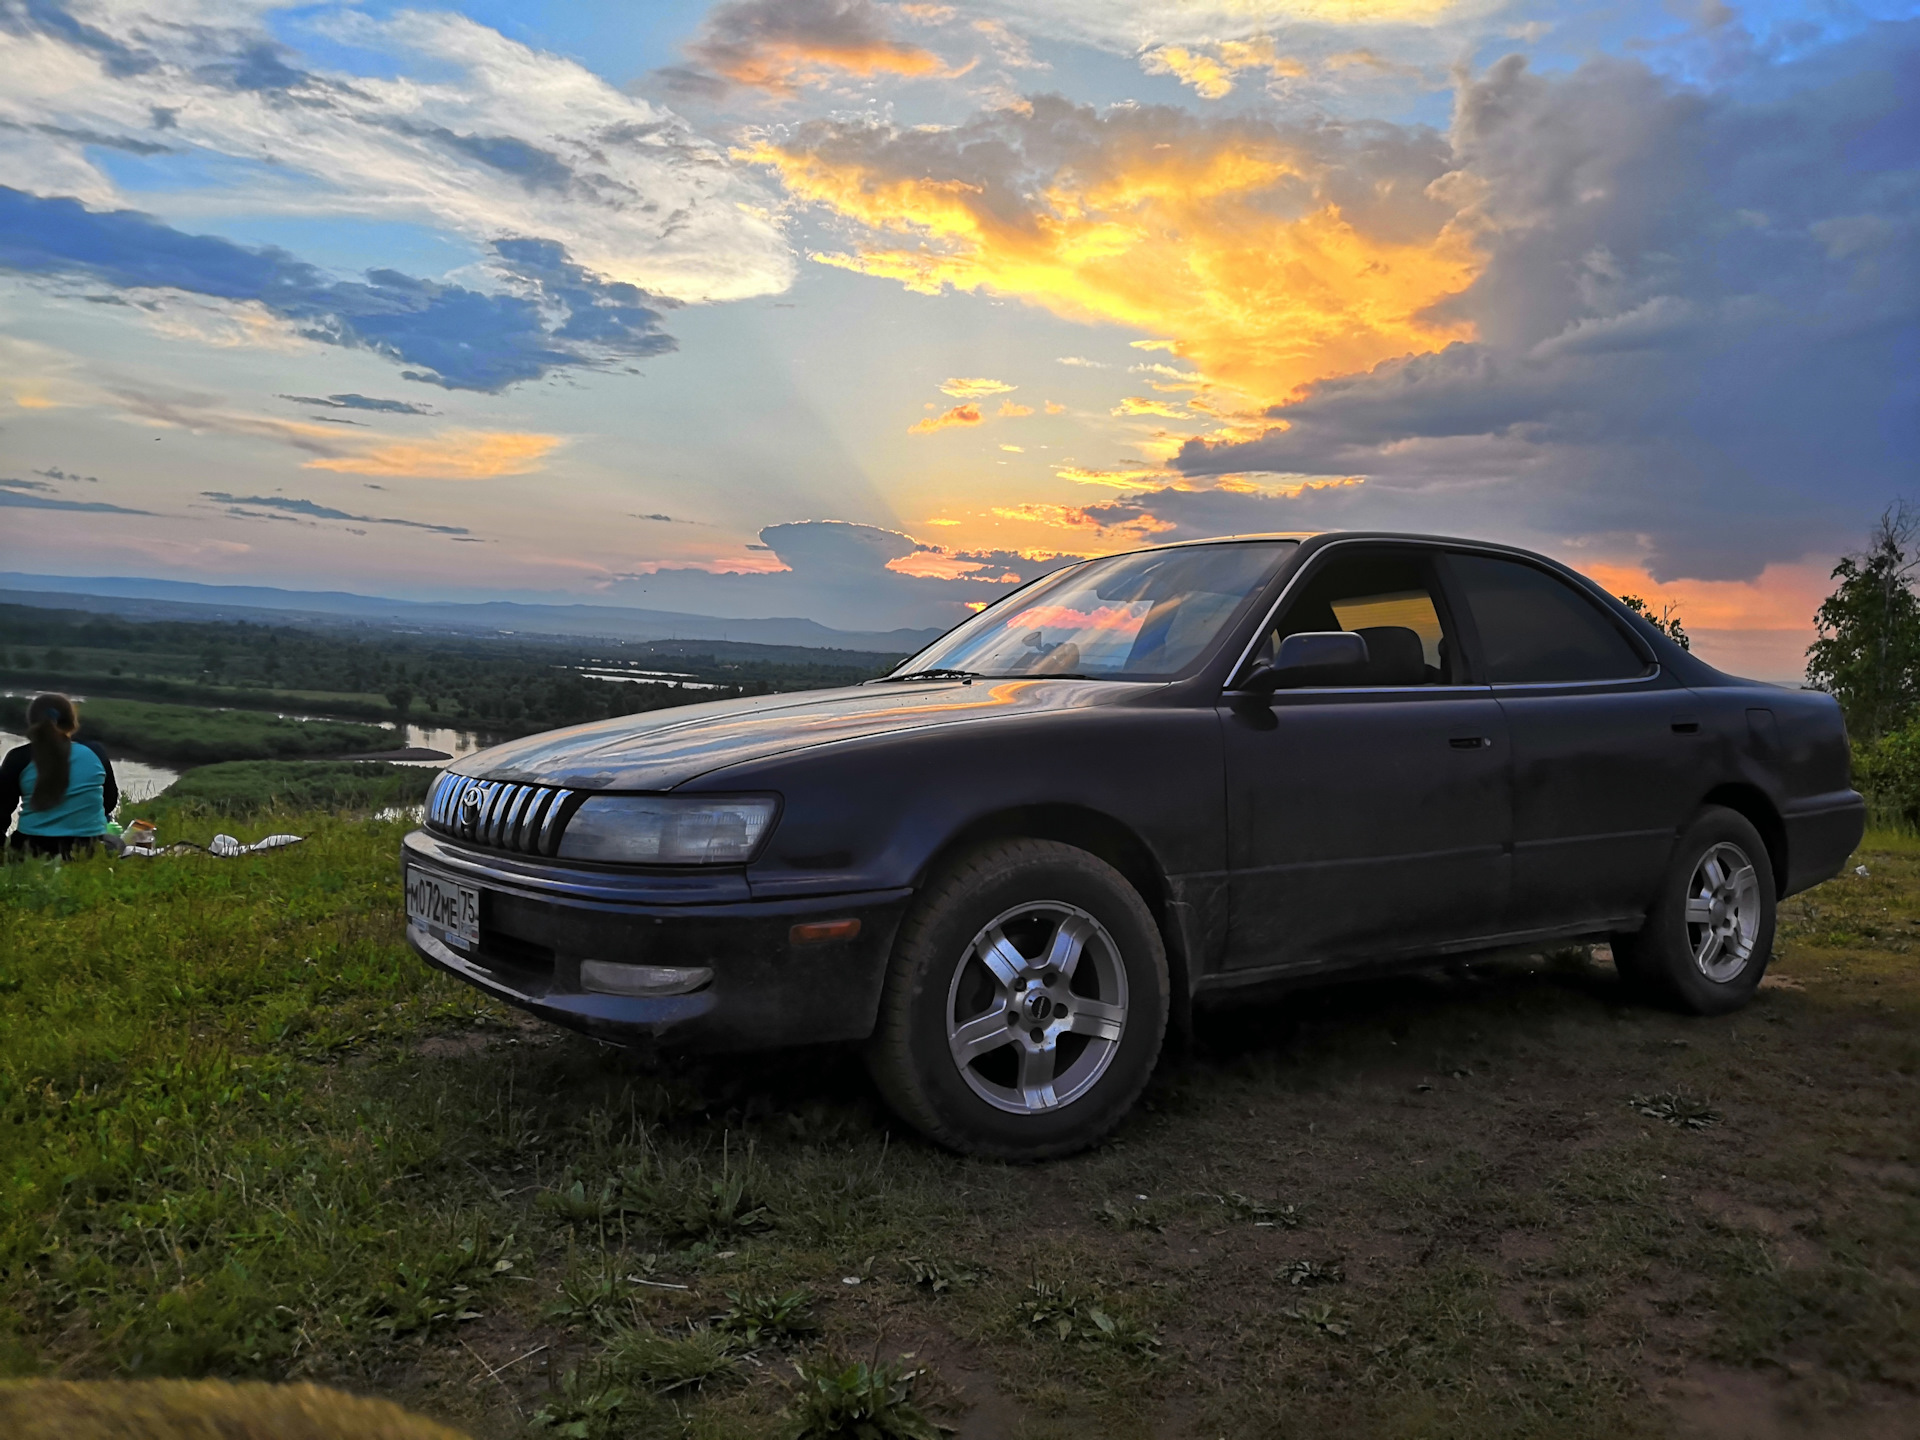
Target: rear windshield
{"x":1146,"y":616}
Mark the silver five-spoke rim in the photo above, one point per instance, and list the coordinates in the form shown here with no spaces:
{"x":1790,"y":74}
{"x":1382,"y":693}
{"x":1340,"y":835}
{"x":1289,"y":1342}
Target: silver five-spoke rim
{"x":1036,"y":1007}
{"x":1723,"y":912}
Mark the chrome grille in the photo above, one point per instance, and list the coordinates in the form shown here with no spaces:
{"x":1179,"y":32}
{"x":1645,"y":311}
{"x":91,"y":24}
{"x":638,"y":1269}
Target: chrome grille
{"x":499,"y":815}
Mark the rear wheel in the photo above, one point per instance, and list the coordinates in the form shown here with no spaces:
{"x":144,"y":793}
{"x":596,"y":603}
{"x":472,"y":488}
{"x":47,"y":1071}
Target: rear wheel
{"x":1709,"y":933}
{"x":1025,"y":1003}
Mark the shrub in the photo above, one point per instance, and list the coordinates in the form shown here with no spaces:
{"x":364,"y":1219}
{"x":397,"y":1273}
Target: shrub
{"x":1888,"y":770}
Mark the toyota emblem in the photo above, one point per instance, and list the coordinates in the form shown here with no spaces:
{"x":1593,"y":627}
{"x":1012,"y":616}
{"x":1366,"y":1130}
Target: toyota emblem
{"x":471,"y":796}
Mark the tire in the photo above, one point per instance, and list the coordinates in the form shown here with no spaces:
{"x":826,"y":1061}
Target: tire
{"x":1021,"y":1020}
{"x":1709,"y":933}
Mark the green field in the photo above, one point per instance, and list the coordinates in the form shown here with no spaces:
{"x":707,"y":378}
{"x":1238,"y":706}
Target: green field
{"x":188,"y":735}
{"x":247,"y":786}
{"x":244,"y":1133}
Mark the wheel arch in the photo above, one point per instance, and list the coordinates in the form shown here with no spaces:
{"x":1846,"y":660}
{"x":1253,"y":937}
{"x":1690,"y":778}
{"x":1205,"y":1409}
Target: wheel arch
{"x":1109,"y":839}
{"x":1752,"y":802}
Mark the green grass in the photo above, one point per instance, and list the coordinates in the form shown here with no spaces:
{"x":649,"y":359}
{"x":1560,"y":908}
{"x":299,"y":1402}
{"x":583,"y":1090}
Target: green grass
{"x":244,"y":1133}
{"x":188,"y":735}
{"x":248,"y":786}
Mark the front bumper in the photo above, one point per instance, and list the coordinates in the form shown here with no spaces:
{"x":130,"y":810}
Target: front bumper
{"x":540,"y":920}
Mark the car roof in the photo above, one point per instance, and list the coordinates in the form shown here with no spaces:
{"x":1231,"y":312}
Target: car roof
{"x":1305,"y":535}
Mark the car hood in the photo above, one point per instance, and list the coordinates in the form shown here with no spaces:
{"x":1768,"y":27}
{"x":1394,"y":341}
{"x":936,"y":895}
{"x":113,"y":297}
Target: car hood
{"x":664,"y":748}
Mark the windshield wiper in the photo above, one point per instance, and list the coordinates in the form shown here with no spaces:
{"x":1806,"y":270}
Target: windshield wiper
{"x":935,"y":674}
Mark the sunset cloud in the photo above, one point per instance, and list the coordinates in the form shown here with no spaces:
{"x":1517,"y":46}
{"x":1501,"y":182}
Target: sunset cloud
{"x":450,"y":455}
{"x":1267,"y":256}
{"x":1120,"y":479}
{"x":963,"y":388}
{"x":1082,"y":518}
{"x":1213,"y":68}
{"x":946,"y":420}
{"x":1140,"y":405}
{"x":781,"y":46}
{"x":1211,"y":74}
{"x":1009,"y":410}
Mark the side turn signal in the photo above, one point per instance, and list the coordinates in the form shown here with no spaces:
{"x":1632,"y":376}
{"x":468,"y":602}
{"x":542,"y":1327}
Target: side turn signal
{"x":819,"y":932}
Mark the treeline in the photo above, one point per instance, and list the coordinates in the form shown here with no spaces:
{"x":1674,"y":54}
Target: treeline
{"x":499,"y":685}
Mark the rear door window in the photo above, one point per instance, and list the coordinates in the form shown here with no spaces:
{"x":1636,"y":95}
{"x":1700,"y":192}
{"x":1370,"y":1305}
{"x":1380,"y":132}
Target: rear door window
{"x":1535,"y":628}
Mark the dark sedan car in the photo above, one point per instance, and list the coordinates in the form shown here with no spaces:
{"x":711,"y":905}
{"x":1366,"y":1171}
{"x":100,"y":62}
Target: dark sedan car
{"x":1140,"y":784}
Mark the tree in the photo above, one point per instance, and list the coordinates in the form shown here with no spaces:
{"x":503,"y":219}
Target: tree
{"x":1667,"y":622}
{"x":401,"y":698}
{"x":1868,"y":651}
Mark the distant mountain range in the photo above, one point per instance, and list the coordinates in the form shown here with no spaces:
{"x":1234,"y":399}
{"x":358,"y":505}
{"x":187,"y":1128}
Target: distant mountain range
{"x":186,"y":600}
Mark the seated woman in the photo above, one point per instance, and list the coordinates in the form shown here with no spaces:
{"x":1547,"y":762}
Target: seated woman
{"x":68,"y":785}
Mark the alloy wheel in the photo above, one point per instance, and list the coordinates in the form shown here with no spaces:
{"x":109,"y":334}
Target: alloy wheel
{"x":1036,"y":1007}
{"x":1723,"y":912}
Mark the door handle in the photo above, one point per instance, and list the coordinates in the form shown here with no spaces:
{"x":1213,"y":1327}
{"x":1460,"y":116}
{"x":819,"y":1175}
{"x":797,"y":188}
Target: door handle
{"x":1686,"y":727}
{"x":1471,"y":742}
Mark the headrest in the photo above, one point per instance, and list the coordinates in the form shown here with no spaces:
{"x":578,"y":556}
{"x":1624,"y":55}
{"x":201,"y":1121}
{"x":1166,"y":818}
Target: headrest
{"x":1395,"y":655}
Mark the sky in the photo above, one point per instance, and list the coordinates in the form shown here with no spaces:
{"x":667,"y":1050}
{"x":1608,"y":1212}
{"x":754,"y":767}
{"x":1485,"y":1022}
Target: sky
{"x":865,"y":312}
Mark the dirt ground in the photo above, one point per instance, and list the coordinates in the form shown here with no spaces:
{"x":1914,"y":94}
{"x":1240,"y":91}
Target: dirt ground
{"x":1495,"y":1201}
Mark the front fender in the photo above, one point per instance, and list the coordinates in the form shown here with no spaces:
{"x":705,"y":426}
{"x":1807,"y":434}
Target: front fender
{"x":874,"y":812}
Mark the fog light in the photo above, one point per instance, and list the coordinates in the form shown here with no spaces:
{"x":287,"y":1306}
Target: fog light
{"x":819,"y":932}
{"x":610,"y":978}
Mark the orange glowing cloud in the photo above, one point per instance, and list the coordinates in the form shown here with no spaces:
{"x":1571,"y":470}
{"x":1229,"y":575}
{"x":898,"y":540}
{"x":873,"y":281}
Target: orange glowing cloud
{"x":1225,"y":238}
{"x":946,"y":419}
{"x":450,"y":455}
{"x":1139,"y":405}
{"x":1129,"y":479}
{"x":781,"y":45}
{"x":1076,"y":517}
{"x":977,"y":387}
{"x":1211,"y":75}
{"x":1011,"y":411}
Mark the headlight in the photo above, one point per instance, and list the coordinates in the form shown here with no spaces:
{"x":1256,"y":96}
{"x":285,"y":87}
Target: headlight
{"x":669,"y":829}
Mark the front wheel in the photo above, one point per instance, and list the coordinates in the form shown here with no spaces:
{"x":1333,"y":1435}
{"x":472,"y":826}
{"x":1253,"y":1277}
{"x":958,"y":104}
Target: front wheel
{"x":1709,"y":932}
{"x":1024,"y":1005}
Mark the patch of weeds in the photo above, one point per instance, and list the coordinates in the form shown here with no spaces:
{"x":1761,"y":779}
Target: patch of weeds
{"x":753,"y":1319}
{"x":939,"y":1277}
{"x":1066,"y":1315}
{"x":432,"y":1288}
{"x":577,"y":1205}
{"x":679,"y":1200}
{"x":1676,"y":1108}
{"x":1320,"y":1319}
{"x":1130,"y":1217}
{"x":665,"y":1363}
{"x":1306,"y":1273}
{"x":596,"y":1299}
{"x":1261,"y":1213}
{"x":586,"y":1405}
{"x":861,"y":1401}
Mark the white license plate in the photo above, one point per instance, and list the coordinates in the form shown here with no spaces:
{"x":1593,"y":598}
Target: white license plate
{"x":440,"y":905}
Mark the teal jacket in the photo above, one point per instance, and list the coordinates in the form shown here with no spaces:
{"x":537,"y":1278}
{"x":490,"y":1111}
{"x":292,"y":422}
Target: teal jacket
{"x":82,"y":812}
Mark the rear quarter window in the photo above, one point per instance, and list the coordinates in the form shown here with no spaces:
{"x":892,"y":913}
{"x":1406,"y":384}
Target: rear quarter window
{"x":1535,"y":628}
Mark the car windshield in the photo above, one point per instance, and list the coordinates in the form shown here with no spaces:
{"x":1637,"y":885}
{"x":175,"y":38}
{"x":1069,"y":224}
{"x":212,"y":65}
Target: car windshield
{"x":1134,"y":617}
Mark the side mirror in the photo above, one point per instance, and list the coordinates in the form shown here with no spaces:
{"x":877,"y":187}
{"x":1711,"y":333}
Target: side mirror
{"x":1308,"y":658}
